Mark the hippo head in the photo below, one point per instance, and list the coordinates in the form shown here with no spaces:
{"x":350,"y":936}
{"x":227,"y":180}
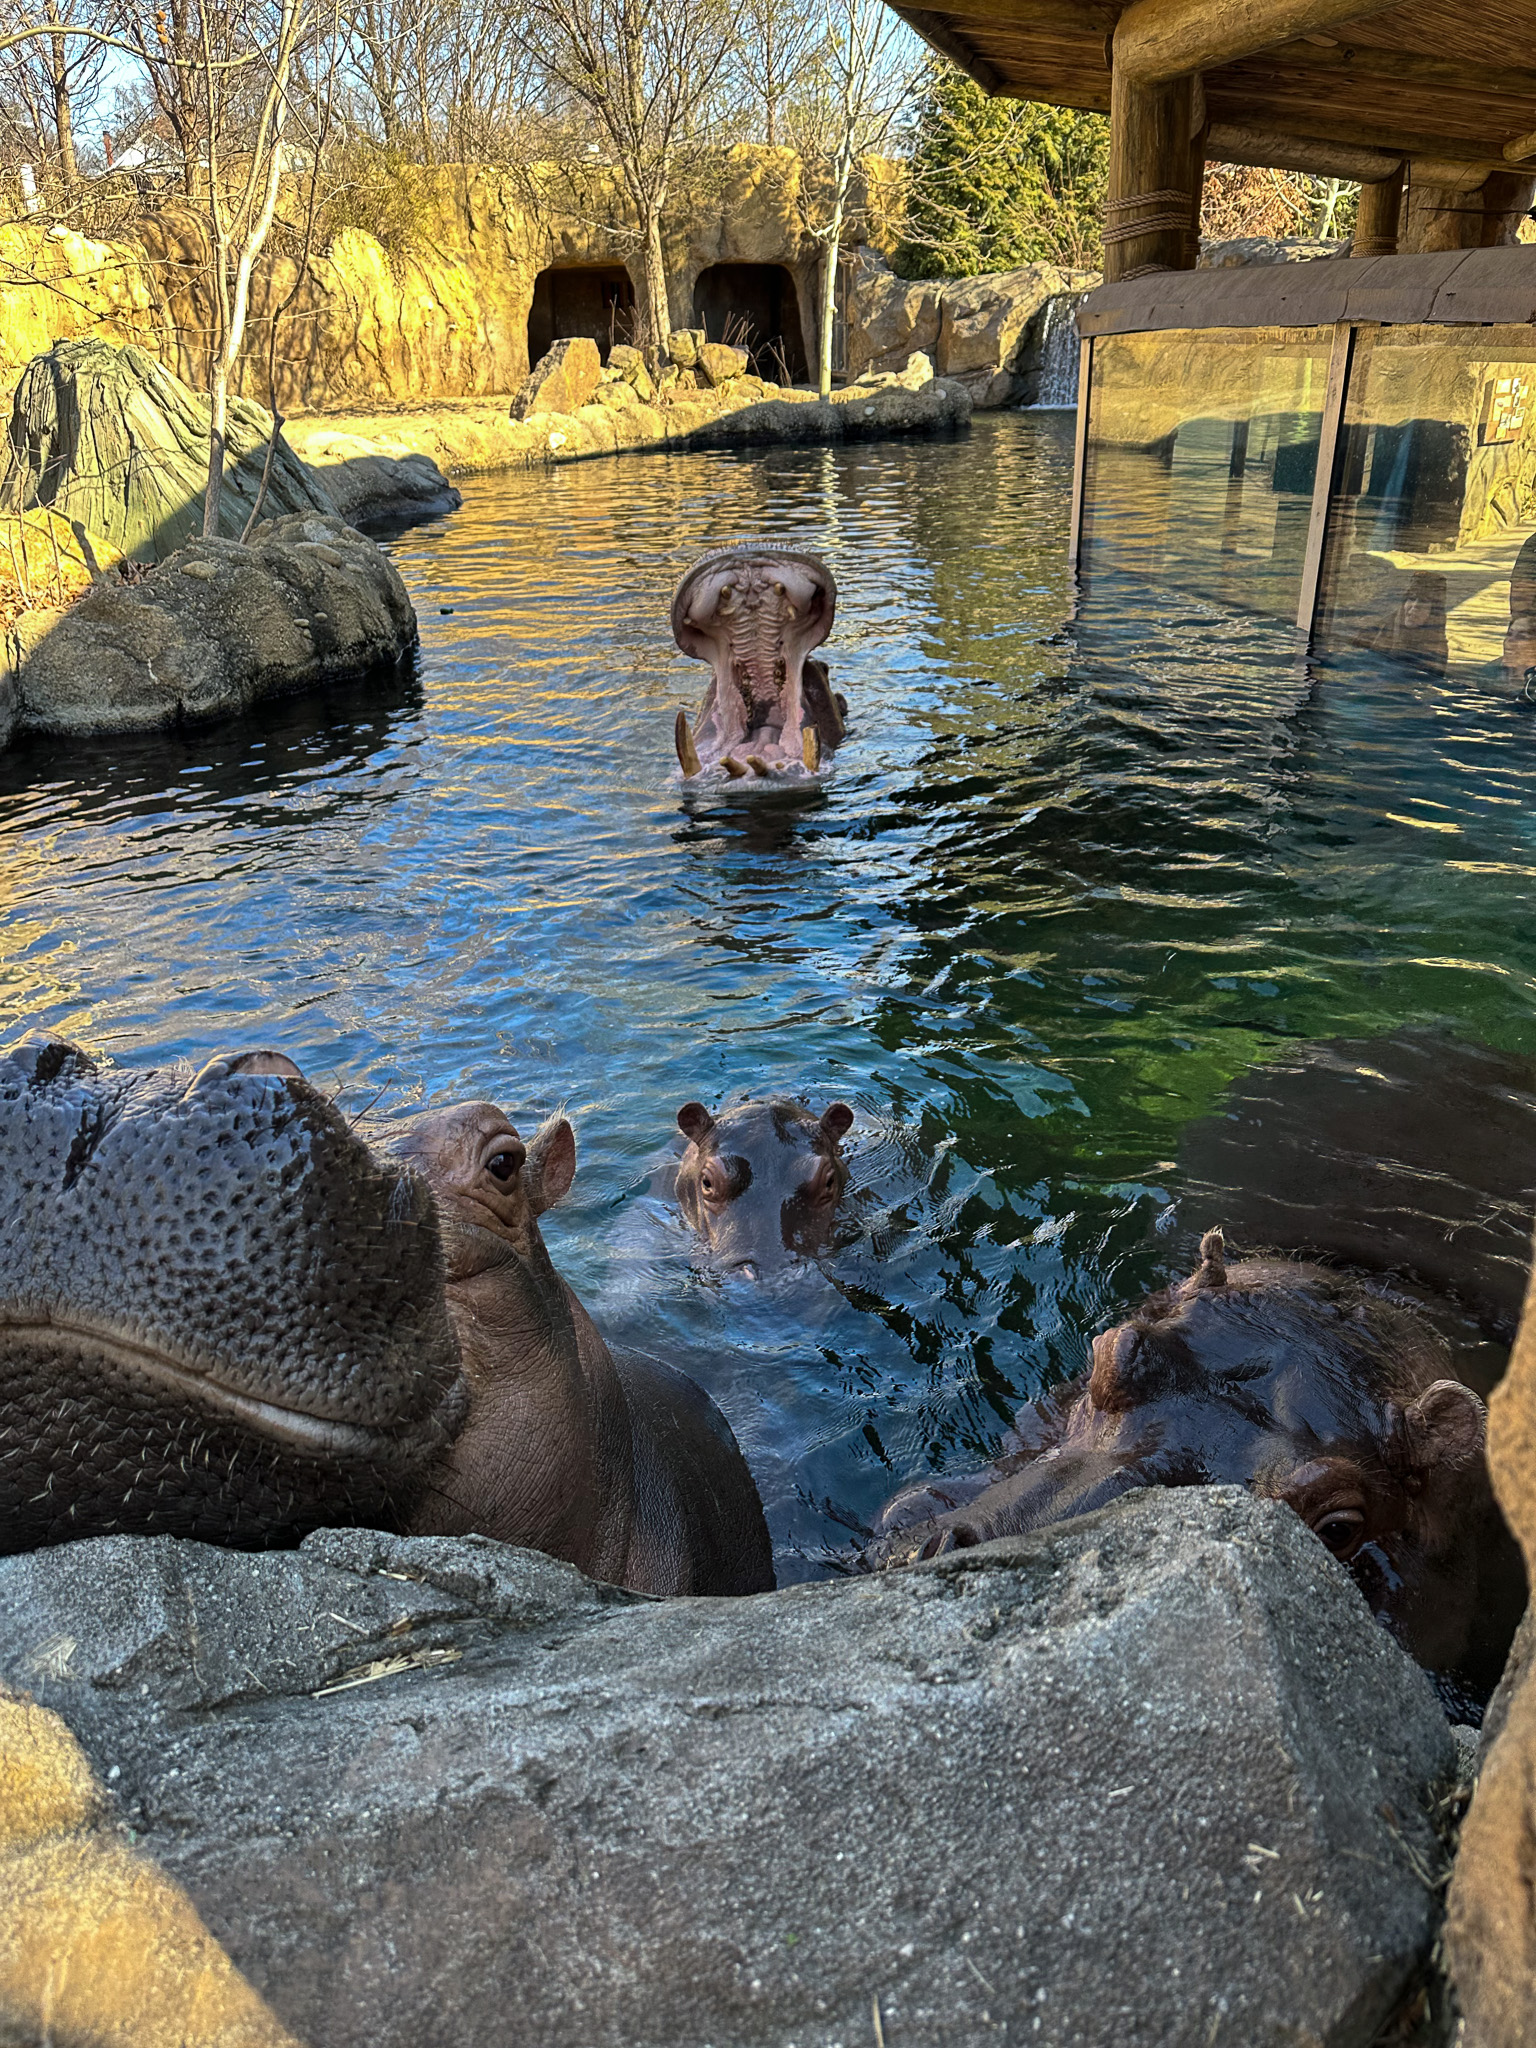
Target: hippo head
{"x":1305,"y":1386}
{"x":221,"y":1315}
{"x":754,"y":614}
{"x":761,"y":1182}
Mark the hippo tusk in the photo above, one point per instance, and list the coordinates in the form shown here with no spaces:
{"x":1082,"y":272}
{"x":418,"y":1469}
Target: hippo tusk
{"x":733,"y":767}
{"x":810,"y":749}
{"x":758,"y":765}
{"x":687,"y":752}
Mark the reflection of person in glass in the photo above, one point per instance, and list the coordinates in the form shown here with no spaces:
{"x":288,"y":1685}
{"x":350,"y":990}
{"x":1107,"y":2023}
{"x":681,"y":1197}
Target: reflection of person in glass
{"x":1415,"y":630}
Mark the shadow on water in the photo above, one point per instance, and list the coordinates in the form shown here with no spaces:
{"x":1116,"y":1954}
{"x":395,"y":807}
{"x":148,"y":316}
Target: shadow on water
{"x":1060,"y":891}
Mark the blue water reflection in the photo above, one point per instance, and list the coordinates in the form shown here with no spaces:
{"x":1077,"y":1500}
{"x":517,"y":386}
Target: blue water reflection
{"x":1062,"y":887}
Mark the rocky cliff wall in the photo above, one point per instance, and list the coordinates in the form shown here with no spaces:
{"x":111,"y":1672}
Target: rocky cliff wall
{"x":364,"y":325}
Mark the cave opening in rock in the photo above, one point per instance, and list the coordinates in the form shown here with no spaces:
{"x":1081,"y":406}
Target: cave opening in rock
{"x":595,"y":299}
{"x":755,"y":306}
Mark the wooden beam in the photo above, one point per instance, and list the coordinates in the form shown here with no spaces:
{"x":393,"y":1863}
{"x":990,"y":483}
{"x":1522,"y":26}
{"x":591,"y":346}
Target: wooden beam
{"x":1093,"y":18}
{"x":1234,"y":102}
{"x":938,"y":35}
{"x":1232,"y":142}
{"x":1157,"y":40}
{"x":1364,"y":60}
{"x":1522,"y":147}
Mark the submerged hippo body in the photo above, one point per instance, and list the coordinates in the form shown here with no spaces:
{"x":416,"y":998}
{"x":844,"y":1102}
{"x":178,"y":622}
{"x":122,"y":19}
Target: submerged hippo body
{"x":221,"y":1315}
{"x":769,"y":714}
{"x":761,"y":1182}
{"x":1304,"y":1386}
{"x":609,"y":1459}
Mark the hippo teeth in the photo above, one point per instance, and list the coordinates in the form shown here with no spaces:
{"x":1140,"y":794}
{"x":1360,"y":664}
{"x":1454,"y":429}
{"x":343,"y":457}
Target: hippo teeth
{"x":292,"y":1426}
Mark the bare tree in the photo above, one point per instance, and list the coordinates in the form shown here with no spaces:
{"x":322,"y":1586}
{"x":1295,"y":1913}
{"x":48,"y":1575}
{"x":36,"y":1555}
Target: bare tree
{"x":850,"y":111}
{"x":54,"y":78}
{"x":644,"y":73}
{"x":776,"y":41}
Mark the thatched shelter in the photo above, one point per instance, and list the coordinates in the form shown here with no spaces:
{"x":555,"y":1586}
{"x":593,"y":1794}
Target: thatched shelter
{"x":1431,"y":105}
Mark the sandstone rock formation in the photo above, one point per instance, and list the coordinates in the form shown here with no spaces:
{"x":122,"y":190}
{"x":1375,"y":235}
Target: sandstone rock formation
{"x":561,"y":381}
{"x":719,"y":364}
{"x":1491,"y":1924}
{"x":110,"y":440}
{"x":984,"y":332}
{"x":213,"y":629}
{"x":1156,"y":1776}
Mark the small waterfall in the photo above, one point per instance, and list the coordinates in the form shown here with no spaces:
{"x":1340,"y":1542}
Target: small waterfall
{"x":1058,"y":351}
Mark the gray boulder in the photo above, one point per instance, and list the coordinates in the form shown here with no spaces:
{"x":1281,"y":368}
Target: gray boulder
{"x":217,"y":627}
{"x":1151,"y":1777}
{"x":372,"y":489}
{"x":1243,"y":250}
{"x":111,"y":440}
{"x":857,"y":413}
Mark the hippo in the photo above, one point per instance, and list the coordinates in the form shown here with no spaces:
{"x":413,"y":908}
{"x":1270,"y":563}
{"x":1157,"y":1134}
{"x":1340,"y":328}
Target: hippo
{"x":761,"y":1181}
{"x":1306,"y":1386}
{"x":754,"y":614}
{"x":610,"y":1459}
{"x":221,"y":1315}
{"x":226,"y":1315}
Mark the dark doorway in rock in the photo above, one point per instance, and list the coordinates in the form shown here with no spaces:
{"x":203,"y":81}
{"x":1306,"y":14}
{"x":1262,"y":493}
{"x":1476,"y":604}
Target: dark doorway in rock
{"x":595,"y":299}
{"x":756,"y":306}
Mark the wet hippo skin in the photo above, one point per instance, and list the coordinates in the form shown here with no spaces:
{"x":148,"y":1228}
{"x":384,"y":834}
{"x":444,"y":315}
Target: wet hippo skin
{"x":761,"y":1181}
{"x":609,"y":1459}
{"x":221,"y":1315}
{"x":1305,"y":1386}
{"x":225,"y":1315}
{"x":1414,"y":1154}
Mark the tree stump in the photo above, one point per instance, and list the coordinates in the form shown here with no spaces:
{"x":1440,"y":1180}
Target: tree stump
{"x":117,"y":445}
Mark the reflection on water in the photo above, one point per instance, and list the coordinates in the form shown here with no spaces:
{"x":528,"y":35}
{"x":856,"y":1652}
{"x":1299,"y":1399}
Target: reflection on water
{"x":1060,"y":889}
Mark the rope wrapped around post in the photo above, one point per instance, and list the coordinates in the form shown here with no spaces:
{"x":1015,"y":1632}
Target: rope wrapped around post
{"x":1175,"y":213}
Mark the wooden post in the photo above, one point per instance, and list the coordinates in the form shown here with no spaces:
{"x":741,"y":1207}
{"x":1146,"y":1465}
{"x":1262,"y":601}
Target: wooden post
{"x":1506,"y":201}
{"x":1381,"y":206}
{"x":1149,"y":214}
{"x":1444,"y":207}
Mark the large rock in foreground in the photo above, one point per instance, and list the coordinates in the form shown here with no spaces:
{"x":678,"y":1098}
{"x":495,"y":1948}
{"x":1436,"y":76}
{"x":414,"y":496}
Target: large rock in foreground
{"x":1153,"y":1777}
{"x":213,"y":630}
{"x":114,"y":442}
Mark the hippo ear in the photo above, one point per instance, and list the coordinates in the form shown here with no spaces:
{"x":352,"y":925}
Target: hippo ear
{"x":550,"y":1166}
{"x":1212,"y":1269}
{"x":836,"y":1119}
{"x":258,"y":1062}
{"x":1445,"y":1426}
{"x":695,"y":1122}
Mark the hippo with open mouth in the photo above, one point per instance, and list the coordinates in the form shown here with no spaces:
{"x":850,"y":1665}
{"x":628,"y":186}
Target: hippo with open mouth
{"x":761,"y":1182}
{"x":1304,"y":1385}
{"x":754,"y":614}
{"x":224,"y":1315}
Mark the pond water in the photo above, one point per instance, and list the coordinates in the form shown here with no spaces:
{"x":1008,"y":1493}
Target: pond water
{"x":1066,"y":883}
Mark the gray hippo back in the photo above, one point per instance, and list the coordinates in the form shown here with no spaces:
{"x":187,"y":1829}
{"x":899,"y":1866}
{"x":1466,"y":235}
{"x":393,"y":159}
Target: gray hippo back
{"x":221,"y":1315}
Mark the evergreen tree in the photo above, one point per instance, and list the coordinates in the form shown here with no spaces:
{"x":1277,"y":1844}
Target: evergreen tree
{"x":994,"y":183}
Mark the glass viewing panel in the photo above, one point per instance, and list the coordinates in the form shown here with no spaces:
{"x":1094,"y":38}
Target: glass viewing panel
{"x":1431,"y":554}
{"x":1202,"y":452}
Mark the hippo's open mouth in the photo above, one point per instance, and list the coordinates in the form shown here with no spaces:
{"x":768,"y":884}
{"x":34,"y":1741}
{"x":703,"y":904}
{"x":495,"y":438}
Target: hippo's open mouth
{"x":185,"y":1377}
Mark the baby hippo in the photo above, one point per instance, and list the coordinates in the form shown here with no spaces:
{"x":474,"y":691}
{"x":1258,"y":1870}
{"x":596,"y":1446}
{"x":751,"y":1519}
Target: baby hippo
{"x":611,"y":1460}
{"x":761,"y":1182}
{"x":1305,"y":1386}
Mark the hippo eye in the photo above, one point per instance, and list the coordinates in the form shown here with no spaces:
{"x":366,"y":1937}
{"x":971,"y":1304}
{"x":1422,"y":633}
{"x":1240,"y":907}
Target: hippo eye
{"x":1341,"y":1531}
{"x":504,"y":1165}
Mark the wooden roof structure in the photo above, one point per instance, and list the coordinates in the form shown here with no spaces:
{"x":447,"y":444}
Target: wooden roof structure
{"x":1435,"y":95}
{"x":1452,"y":80}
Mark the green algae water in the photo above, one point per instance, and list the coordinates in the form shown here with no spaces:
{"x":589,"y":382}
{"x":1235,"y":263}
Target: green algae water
{"x":1069,"y":879}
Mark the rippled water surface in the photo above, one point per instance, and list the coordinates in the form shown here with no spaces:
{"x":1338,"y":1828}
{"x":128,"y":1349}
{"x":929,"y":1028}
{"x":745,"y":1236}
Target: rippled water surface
{"x":1065,"y":884}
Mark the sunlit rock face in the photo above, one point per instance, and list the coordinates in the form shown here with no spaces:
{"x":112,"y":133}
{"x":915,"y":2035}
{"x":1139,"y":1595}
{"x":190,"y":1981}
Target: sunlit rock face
{"x":220,"y":1315}
{"x":1154,"y":1777}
